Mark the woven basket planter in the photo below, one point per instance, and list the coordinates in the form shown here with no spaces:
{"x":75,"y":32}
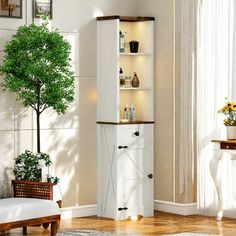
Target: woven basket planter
{"x":31,"y":189}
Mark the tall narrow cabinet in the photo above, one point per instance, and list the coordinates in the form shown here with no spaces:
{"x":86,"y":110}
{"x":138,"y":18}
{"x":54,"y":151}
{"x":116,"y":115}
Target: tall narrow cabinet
{"x":125,"y":148}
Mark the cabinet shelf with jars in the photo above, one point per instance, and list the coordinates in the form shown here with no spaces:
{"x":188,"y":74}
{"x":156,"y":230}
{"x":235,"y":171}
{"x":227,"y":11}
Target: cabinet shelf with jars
{"x":114,"y":93}
{"x":125,"y":116}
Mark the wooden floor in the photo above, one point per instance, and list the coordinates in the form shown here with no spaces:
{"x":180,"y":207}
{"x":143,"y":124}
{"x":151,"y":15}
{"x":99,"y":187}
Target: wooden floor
{"x":162,"y":223}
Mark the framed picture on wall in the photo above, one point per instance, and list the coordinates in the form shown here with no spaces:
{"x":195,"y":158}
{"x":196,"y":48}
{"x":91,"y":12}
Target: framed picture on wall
{"x":11,"y":8}
{"x":42,"y":7}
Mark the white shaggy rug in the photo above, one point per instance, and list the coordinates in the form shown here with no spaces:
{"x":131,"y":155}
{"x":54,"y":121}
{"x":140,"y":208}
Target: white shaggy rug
{"x":103,"y":233}
{"x":86,"y":232}
{"x":190,"y":234}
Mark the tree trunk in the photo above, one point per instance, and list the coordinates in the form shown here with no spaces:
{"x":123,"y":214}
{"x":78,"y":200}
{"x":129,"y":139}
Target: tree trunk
{"x":38,"y":131}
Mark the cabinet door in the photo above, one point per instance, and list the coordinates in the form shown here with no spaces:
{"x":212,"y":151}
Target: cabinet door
{"x":135,"y":183}
{"x":106,"y":170}
{"x":135,"y":177}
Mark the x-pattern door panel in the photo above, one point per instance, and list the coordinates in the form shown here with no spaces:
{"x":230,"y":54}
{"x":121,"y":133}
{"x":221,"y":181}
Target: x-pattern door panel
{"x":134,"y":185}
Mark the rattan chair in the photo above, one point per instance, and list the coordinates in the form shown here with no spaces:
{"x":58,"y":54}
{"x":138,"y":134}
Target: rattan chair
{"x":26,"y":211}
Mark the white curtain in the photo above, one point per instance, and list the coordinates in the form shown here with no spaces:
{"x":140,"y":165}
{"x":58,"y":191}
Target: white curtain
{"x":216,"y":79}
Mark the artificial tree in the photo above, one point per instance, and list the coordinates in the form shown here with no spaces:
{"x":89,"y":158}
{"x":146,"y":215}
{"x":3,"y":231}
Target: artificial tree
{"x":36,"y":67}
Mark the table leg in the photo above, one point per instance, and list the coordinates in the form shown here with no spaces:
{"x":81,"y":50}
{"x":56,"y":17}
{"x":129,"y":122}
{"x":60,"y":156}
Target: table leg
{"x":214,"y":163}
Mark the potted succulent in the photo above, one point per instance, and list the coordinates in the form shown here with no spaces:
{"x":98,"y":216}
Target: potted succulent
{"x":36,"y":67}
{"x":229,"y":111}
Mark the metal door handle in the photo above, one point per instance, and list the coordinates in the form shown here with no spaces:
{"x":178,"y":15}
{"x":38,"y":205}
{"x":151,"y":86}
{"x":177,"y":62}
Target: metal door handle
{"x":121,"y":147}
{"x":122,"y":208}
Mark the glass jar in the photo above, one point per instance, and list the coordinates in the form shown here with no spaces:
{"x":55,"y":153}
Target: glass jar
{"x":128,"y":82}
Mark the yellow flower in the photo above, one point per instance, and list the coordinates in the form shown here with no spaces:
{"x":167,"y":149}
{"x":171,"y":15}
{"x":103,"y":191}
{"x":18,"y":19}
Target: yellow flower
{"x":228,"y":122}
{"x":226,"y":108}
{"x":229,"y":110}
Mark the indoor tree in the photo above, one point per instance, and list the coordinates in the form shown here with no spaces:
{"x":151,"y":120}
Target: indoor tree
{"x":36,"y":67}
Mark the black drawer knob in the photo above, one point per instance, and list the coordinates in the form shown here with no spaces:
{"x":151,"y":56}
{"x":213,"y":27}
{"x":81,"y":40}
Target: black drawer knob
{"x":136,"y":133}
{"x":122,"y":208}
{"x":150,"y":176}
{"x":121,"y":147}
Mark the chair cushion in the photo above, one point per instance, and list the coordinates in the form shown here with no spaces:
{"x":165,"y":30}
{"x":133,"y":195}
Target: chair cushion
{"x":17,"y":209}
{"x":5,"y":191}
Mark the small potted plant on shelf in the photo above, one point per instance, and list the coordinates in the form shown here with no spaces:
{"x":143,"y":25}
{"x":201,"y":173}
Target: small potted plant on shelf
{"x":36,"y":67}
{"x":229,"y":111}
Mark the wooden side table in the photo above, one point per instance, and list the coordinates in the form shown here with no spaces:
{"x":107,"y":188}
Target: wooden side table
{"x":220,"y":147}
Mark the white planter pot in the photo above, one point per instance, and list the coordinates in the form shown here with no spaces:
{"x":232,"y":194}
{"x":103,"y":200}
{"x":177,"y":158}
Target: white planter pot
{"x":231,"y":132}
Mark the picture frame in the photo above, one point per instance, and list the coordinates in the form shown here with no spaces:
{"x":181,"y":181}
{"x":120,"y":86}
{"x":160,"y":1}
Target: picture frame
{"x":11,"y":8}
{"x":42,"y":7}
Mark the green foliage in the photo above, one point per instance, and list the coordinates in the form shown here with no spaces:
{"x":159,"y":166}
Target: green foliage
{"x":36,"y":67}
{"x":28,"y":166}
{"x":52,"y":179}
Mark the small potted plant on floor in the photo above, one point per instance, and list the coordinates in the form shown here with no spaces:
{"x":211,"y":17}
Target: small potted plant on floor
{"x":36,"y":67}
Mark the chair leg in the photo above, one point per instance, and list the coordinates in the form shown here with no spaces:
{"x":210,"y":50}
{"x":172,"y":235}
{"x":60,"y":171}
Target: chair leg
{"x":24,"y":229}
{"x":54,"y":228}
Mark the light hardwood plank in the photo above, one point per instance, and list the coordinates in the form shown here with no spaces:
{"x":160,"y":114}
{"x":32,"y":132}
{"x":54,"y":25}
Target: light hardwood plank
{"x":161,"y":223}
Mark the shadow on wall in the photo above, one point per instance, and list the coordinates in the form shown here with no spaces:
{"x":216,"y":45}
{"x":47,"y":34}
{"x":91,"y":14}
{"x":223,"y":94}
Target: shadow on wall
{"x":87,"y":111}
{"x":72,"y":140}
{"x":88,"y":49}
{"x":73,"y":147}
{"x":11,"y":112}
{"x":62,"y":145}
{"x":16,"y":122}
{"x":7,"y":104}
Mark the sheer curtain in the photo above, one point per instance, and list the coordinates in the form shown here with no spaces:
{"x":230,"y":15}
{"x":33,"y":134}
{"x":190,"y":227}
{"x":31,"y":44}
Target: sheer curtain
{"x":216,"y":80}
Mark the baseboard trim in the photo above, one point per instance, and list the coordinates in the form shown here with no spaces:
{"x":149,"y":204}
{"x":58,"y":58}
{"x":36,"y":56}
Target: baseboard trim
{"x":170,"y":207}
{"x":176,"y":208}
{"x":78,"y":211}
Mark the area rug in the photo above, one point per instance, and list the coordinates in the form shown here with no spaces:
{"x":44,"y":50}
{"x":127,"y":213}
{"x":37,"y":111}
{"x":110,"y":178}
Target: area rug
{"x":86,"y":232}
{"x":190,"y":234}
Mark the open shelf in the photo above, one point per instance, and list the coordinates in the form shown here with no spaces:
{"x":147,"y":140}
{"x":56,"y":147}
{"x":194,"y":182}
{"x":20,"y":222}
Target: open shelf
{"x":134,"y":54}
{"x":139,"y":88}
{"x":126,"y":123}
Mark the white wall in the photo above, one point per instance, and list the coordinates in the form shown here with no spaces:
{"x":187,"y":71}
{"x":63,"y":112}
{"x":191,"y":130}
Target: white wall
{"x":164,"y":129}
{"x":70,"y":139}
{"x":167,"y":99}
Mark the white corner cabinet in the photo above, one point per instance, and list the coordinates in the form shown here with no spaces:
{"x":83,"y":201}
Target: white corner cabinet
{"x":125,"y":146}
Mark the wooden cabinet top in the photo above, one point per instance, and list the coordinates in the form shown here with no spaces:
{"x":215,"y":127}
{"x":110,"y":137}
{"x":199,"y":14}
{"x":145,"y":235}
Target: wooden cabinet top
{"x":126,"y":18}
{"x":224,"y":141}
{"x":125,"y":123}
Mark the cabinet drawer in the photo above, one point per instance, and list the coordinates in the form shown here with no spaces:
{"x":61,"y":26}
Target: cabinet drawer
{"x":135,"y":136}
{"x":231,"y":146}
